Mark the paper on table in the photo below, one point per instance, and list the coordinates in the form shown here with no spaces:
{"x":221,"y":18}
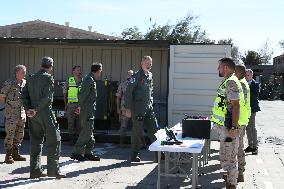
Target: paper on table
{"x":193,"y":143}
{"x":161,"y":135}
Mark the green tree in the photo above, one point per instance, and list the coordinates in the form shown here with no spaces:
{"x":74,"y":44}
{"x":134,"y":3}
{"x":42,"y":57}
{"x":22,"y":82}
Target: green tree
{"x":252,"y":58}
{"x":158,"y":32}
{"x":281,"y":43}
{"x":235,"y":49}
{"x":132,"y":34}
{"x":184,"y":31}
{"x":266,"y":53}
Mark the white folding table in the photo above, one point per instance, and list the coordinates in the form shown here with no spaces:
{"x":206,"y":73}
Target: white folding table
{"x":190,"y":145}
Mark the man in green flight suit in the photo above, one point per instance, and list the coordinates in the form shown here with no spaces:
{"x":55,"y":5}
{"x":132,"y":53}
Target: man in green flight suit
{"x":138,"y":100}
{"x":37,"y":99}
{"x":86,"y":110}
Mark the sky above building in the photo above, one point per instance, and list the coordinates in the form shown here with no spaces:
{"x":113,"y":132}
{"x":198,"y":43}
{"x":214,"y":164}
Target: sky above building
{"x":249,"y":23}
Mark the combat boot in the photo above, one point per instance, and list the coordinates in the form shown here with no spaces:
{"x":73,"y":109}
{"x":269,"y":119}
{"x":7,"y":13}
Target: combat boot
{"x":17,"y":156}
{"x":135,"y":157}
{"x":241,"y":178}
{"x":248,"y":149}
{"x":78,"y":157}
{"x":254,"y":151}
{"x":57,"y":175}
{"x":37,"y":174}
{"x":8,"y":158}
{"x":92,"y":157}
{"x":230,"y":186}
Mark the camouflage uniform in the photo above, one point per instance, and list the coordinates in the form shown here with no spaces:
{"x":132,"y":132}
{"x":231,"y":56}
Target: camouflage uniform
{"x":229,"y":150}
{"x":73,"y":119}
{"x":15,"y":116}
{"x":123,"y":119}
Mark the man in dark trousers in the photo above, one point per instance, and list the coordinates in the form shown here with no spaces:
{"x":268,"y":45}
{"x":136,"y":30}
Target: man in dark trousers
{"x":37,"y":99}
{"x":87,"y":108}
{"x":250,"y":129}
{"x":138,"y":102}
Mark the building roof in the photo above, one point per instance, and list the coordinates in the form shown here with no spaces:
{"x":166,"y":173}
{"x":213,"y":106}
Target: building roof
{"x":43,"y":29}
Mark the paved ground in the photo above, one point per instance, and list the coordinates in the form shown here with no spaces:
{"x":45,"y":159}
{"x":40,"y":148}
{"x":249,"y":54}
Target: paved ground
{"x":265,"y":171}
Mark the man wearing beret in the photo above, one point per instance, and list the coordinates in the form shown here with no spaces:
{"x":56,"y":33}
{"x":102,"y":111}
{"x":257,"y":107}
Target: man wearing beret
{"x":87,"y":108}
{"x":37,"y":99}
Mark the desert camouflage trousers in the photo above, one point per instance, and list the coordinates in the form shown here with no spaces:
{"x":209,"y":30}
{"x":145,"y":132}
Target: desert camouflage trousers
{"x":123,"y":125}
{"x":228,"y":154}
{"x":14,"y":128}
{"x":74,"y":127}
{"x":241,"y":153}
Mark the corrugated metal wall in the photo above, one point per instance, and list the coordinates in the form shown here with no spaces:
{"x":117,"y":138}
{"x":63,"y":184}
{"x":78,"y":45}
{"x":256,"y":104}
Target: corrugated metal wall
{"x":116,"y":61}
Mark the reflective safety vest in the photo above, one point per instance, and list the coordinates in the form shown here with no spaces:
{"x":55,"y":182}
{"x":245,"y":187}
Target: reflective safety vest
{"x":73,"y":90}
{"x":220,"y":111}
{"x":247,"y":100}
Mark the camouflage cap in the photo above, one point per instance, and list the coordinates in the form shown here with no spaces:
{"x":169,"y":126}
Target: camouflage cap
{"x":46,"y":61}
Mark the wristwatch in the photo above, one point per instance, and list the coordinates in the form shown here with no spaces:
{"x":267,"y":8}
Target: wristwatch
{"x":234,"y":127}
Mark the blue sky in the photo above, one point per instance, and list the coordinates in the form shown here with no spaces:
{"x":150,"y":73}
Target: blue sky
{"x":249,"y":23}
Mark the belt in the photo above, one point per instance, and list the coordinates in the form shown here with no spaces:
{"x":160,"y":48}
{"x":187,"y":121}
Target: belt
{"x":72,"y":102}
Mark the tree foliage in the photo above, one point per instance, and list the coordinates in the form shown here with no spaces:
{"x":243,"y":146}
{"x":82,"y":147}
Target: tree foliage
{"x":281,"y":43}
{"x":158,"y":32}
{"x":132,"y":33}
{"x":184,"y":31}
{"x":252,"y":58}
{"x":235,"y":49}
{"x":266,"y":53}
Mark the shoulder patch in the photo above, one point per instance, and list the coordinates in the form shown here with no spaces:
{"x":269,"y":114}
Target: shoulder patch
{"x":132,"y":80}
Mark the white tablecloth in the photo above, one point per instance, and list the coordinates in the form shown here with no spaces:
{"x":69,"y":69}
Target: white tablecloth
{"x":189,"y":145}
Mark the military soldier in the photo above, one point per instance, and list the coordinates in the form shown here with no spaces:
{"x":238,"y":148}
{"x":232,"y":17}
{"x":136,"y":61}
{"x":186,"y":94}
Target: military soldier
{"x":15,"y":116}
{"x":71,"y":89}
{"x":240,"y":74}
{"x":120,"y":107}
{"x":37,"y":99}
{"x":226,"y":115}
{"x":87,"y":108}
{"x":139,"y":105}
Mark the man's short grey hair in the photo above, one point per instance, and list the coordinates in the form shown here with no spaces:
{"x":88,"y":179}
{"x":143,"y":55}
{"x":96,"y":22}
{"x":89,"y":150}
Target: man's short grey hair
{"x":46,"y":62}
{"x":146,"y":58}
{"x":20,"y":67}
{"x":249,"y":70}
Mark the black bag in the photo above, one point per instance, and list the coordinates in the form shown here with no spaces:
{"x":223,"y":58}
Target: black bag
{"x":196,"y":128}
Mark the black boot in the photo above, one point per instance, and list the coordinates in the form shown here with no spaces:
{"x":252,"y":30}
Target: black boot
{"x":255,"y":151}
{"x":37,"y":175}
{"x":78,"y":157}
{"x":248,"y":149}
{"x":135,"y":157}
{"x":92,"y":157}
{"x":57,"y":175}
{"x":17,"y":156}
{"x":8,"y":158}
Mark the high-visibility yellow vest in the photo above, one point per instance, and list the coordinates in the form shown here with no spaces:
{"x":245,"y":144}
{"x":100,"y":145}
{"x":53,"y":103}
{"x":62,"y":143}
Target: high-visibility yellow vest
{"x":73,"y":90}
{"x":220,"y":111}
{"x":247,"y":100}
